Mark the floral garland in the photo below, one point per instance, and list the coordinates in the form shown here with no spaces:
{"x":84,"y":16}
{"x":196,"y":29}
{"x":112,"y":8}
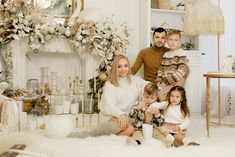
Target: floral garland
{"x":24,"y":21}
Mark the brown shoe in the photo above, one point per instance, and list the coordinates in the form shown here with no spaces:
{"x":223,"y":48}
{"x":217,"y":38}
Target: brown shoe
{"x":193,"y":144}
{"x":177,"y":143}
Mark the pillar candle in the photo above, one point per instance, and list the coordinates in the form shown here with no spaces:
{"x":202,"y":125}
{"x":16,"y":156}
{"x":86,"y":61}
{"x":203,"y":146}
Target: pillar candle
{"x":91,"y":100}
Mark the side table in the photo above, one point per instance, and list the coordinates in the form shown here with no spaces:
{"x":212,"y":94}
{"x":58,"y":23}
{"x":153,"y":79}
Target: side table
{"x":208,"y":76}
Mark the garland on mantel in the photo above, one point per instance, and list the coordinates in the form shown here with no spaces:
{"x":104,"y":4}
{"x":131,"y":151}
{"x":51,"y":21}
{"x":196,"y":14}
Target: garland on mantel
{"x":25,"y":21}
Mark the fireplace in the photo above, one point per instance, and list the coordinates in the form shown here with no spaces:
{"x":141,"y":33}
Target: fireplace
{"x":56,"y":54}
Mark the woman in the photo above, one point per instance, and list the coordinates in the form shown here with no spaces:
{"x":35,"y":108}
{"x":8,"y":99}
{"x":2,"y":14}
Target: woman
{"x":120,"y":93}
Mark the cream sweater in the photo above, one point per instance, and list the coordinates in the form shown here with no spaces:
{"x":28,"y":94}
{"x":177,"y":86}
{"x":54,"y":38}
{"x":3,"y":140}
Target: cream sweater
{"x":173,"y":114}
{"x":119,"y":100}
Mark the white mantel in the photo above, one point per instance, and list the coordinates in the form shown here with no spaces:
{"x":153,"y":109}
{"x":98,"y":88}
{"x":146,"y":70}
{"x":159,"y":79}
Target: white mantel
{"x":88,"y":63}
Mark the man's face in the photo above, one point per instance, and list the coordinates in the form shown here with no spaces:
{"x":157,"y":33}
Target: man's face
{"x":159,"y":39}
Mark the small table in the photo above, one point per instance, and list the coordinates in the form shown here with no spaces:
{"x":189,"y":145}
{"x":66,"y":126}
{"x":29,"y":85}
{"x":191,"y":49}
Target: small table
{"x":208,"y":76}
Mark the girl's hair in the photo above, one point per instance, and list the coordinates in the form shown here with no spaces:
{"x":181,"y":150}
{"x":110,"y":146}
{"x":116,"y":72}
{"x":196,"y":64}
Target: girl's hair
{"x":174,"y":31}
{"x":183,"y":107}
{"x":151,"y":89}
{"x":113,"y":73}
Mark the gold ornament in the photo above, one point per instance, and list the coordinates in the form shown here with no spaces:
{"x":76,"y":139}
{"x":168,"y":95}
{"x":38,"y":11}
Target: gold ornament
{"x":103,"y":76}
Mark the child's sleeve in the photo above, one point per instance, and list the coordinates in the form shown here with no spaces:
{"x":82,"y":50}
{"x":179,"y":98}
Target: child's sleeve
{"x":158,"y":119}
{"x":182,"y":69}
{"x":159,"y":105}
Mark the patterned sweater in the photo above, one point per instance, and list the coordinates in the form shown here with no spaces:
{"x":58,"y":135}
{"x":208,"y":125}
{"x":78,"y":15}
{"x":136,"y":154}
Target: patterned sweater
{"x":137,"y":118}
{"x":174,"y":67}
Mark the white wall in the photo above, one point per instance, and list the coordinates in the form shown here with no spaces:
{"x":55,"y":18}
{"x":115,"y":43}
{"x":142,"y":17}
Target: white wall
{"x":130,"y":11}
{"x":208,"y":45}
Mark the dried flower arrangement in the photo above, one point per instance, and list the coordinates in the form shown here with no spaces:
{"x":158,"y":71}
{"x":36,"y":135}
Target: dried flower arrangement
{"x":26,"y":22}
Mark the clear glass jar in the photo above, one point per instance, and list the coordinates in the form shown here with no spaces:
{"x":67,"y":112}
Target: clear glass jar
{"x":33,"y":86}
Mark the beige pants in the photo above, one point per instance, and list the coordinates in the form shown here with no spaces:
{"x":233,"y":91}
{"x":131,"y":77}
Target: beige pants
{"x":138,"y":135}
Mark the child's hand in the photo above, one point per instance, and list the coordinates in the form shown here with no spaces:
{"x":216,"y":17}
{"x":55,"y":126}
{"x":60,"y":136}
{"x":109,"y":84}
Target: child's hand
{"x":153,"y":110}
{"x":141,"y":105}
{"x":148,"y":116}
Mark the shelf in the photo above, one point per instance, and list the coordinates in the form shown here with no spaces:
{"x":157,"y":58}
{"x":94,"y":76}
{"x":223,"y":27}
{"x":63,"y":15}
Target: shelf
{"x":164,"y":11}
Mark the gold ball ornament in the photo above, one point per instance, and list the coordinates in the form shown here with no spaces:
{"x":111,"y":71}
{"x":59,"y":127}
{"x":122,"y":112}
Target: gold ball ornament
{"x":103,"y":76}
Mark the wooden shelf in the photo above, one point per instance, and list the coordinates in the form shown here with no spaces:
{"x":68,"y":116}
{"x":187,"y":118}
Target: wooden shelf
{"x":164,"y":11}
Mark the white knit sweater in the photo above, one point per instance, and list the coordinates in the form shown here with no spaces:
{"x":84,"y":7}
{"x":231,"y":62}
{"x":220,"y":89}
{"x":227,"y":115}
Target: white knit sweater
{"x":173,"y":114}
{"x":119,"y":100}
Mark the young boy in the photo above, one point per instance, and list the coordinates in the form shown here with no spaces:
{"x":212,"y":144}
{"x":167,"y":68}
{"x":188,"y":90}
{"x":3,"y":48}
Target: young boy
{"x":174,"y":67}
{"x":139,"y":115}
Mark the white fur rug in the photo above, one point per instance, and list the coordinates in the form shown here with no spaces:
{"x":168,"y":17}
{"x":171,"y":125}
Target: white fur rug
{"x":220,"y":143}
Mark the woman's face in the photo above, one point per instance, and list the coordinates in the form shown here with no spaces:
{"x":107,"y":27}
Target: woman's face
{"x":123,"y":67}
{"x":175,"y":97}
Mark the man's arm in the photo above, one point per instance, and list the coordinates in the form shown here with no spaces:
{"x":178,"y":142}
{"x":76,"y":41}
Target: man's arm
{"x":138,"y":63}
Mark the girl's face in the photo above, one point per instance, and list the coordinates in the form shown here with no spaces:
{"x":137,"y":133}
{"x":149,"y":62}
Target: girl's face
{"x":123,"y":67}
{"x":173,"y":42}
{"x":175,"y":97}
{"x":149,"y":99}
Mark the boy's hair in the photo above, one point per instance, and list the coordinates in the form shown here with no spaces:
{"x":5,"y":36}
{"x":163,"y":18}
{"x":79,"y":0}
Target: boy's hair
{"x":183,"y":107}
{"x":159,"y":30}
{"x":151,"y":89}
{"x":174,"y":31}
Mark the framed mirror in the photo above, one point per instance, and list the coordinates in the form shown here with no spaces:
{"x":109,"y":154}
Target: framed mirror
{"x":58,"y":8}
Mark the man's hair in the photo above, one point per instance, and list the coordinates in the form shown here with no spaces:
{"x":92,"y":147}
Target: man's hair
{"x":174,"y":31}
{"x":151,"y":89}
{"x":159,"y":30}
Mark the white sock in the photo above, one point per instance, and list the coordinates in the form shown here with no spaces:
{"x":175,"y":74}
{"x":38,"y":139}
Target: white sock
{"x":186,"y":141}
{"x":170,"y":138}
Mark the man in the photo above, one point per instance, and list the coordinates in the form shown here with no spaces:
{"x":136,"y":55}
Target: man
{"x":151,"y":57}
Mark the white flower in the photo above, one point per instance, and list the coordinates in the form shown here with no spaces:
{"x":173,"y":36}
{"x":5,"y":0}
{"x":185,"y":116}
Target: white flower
{"x":67,"y":32}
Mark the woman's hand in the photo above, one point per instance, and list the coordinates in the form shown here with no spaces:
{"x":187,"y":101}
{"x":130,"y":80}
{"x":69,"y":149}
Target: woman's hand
{"x":123,"y":121}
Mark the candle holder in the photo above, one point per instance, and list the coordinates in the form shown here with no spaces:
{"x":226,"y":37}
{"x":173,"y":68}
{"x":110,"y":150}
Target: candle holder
{"x":45,"y":80}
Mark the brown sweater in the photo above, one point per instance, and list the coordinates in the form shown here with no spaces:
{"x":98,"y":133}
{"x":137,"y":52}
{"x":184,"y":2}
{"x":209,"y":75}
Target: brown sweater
{"x":151,"y":58}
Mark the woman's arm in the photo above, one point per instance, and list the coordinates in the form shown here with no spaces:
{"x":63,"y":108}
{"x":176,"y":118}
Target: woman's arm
{"x":109,"y":103}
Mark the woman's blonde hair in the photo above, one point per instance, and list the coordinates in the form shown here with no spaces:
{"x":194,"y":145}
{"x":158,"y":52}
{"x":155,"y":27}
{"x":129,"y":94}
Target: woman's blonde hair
{"x":113,"y":73}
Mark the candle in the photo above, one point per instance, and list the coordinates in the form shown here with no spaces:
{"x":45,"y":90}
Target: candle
{"x":83,"y":105}
{"x":91,"y":100}
{"x":95,"y":84}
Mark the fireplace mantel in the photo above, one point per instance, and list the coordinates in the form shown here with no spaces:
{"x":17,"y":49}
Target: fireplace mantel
{"x":18,"y":49}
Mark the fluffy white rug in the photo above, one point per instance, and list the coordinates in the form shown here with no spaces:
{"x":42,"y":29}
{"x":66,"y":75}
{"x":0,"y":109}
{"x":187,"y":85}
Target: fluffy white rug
{"x":220,"y":143}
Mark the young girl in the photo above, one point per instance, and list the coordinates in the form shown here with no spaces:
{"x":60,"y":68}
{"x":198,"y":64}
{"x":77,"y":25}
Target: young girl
{"x":176,"y":114}
{"x":174,"y":67}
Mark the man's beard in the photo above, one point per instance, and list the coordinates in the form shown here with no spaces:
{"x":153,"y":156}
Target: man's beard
{"x":159,"y":45}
